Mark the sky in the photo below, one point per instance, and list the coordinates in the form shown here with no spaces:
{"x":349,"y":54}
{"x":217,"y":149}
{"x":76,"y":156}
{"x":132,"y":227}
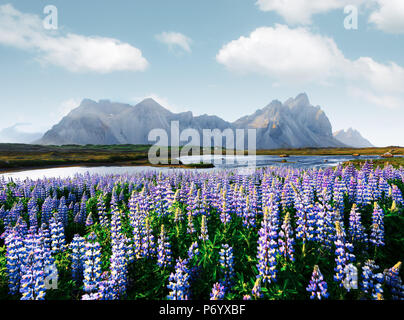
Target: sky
{"x":222,"y":57}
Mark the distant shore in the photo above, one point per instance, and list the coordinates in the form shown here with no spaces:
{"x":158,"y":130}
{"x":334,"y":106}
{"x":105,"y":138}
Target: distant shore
{"x":18,"y":157}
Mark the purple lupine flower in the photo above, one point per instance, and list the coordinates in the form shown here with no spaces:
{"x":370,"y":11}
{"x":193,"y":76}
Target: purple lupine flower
{"x":343,"y":254}
{"x":57,"y":235}
{"x":317,"y":286}
{"x":119,"y":267}
{"x":32,"y":271}
{"x":218,"y":292}
{"x":14,"y":246}
{"x":394,"y":282}
{"x":148,"y":245}
{"x":286,"y":240}
{"x":256,"y":290}
{"x":78,"y":252}
{"x":164,"y":249}
{"x":92,"y":265}
{"x":204,"y":229}
{"x":227,"y":265}
{"x":396,"y":195}
{"x":179,"y":281}
{"x":356,"y":230}
{"x":377,"y":235}
{"x":193,"y":251}
{"x":267,"y":248}
{"x":190,"y":224}
{"x":372,"y":282}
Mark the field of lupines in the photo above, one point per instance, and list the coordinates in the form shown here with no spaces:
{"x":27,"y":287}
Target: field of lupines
{"x":276,"y":233}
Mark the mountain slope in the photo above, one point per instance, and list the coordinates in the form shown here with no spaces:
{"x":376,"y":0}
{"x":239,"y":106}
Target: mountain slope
{"x":293,"y":124}
{"x":15,"y":134}
{"x":353,"y":138}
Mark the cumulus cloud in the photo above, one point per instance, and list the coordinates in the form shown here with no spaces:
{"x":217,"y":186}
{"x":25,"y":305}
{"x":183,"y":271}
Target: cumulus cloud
{"x":389,"y":16}
{"x":76,"y":53}
{"x":175,"y":40}
{"x":298,"y":55}
{"x":301,"y":11}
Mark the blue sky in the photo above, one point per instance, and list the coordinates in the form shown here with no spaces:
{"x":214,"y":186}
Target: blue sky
{"x":223,"y":57}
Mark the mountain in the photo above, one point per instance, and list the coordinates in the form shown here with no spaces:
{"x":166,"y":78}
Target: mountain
{"x":15,"y":134}
{"x":293,"y":124}
{"x":353,"y":138}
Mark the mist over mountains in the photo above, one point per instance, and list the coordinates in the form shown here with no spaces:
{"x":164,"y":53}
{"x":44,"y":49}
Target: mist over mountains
{"x":292,"y":124}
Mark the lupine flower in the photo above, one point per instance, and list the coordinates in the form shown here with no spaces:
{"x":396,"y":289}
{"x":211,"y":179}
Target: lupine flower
{"x":164,"y":250}
{"x":218,"y":292}
{"x":286,"y":240}
{"x":343,"y":254}
{"x":256,"y":291}
{"x":32,"y":271}
{"x":78,"y":252}
{"x":57,"y":234}
{"x":14,"y":246}
{"x":190,"y":225}
{"x":204,"y":229}
{"x":372,"y":282}
{"x":267,"y":250}
{"x":227,"y":264}
{"x":119,"y":268}
{"x":92,"y":265}
{"x":396,"y":195}
{"x":377,"y":235}
{"x":148,"y":245}
{"x":89,"y":220}
{"x":394,"y":282}
{"x":317,"y":286}
{"x":193,"y":251}
{"x":356,"y":230}
{"x":179,"y":282}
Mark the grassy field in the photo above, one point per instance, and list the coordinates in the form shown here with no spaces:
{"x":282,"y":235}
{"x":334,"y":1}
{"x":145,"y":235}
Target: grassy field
{"x":395,"y":162}
{"x":21,"y":156}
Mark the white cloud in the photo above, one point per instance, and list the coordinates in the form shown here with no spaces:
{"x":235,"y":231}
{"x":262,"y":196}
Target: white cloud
{"x":175,"y":39}
{"x":300,"y":56}
{"x":389,"y":16}
{"x":281,"y":52}
{"x":384,"y":101}
{"x":301,"y":11}
{"x":73,"y":52}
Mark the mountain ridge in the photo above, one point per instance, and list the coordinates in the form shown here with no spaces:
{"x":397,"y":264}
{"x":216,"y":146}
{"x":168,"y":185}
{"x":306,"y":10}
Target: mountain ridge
{"x":292,"y":124}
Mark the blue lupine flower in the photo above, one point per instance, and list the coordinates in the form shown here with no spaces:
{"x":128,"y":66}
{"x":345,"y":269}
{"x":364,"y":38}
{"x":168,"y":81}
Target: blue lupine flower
{"x":14,"y":247}
{"x":227,"y":265}
{"x":78,"y":252}
{"x":317,"y":286}
{"x":57,"y":234}
{"x":356,"y":230}
{"x":396,"y":195}
{"x":267,"y":249}
{"x":218,"y":292}
{"x":164,"y":250}
{"x":204,"y":229}
{"x":372,"y":282}
{"x":256,"y":290}
{"x":286,"y":240}
{"x":377,"y":235}
{"x":343,"y":254}
{"x":119,"y":268}
{"x":92,"y":266}
{"x":179,"y":282}
{"x":394,"y":282}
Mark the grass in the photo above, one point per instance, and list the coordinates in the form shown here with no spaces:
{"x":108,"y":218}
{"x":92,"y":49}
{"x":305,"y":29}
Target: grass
{"x":395,"y":162}
{"x":22,"y":156}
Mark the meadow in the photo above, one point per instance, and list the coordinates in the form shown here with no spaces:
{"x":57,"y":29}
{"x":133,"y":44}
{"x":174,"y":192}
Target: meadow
{"x":272,"y":234}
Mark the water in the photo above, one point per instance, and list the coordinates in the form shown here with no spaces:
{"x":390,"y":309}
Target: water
{"x":221,"y":162}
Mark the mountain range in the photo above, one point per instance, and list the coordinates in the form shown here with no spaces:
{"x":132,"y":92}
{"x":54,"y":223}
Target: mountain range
{"x":16,"y":134}
{"x":352,"y":138}
{"x":292,"y":124}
